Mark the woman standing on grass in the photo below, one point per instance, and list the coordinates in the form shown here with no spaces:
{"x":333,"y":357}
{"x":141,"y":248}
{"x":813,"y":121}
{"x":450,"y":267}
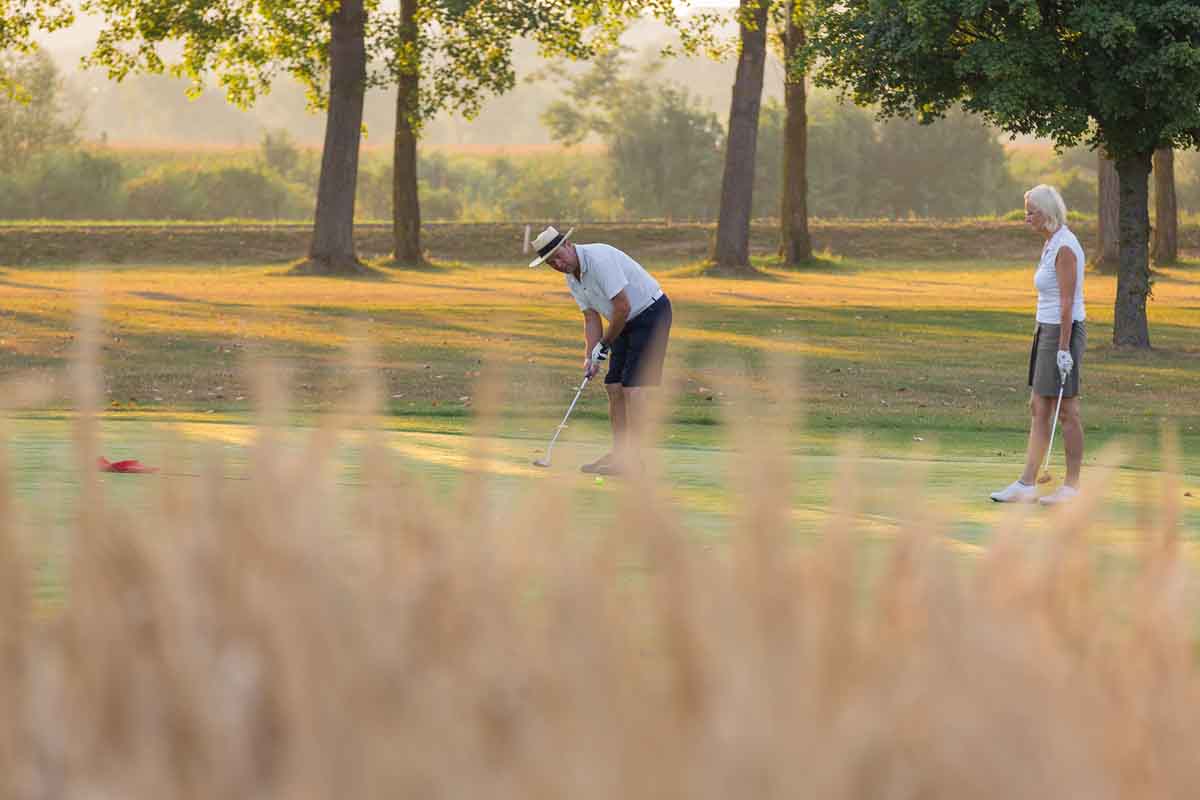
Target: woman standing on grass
{"x":1058,"y":344}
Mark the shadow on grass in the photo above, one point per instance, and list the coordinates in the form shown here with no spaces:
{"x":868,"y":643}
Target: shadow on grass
{"x":1183,"y":271}
{"x":709,"y":269}
{"x":769,"y":268}
{"x":819,"y":263}
{"x":35,"y":286}
{"x":346,"y":269}
{"x":425,"y":265}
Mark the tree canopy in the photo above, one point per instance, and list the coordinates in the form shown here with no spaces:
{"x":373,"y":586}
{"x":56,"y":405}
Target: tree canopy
{"x":665,"y":146}
{"x":1119,"y":75}
{"x":462,"y":49}
{"x":20,"y":20}
{"x":441,"y":55}
{"x":34,"y":121}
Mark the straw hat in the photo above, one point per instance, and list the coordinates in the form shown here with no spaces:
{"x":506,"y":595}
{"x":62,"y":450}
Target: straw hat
{"x":547,"y":242}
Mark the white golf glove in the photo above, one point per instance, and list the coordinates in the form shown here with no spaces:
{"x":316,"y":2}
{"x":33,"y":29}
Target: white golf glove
{"x":599,"y":353}
{"x":1065,"y":364}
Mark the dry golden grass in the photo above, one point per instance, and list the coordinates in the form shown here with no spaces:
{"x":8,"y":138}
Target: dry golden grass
{"x":888,"y":343}
{"x":172,"y":147}
{"x":515,"y":150}
{"x":276,"y":638}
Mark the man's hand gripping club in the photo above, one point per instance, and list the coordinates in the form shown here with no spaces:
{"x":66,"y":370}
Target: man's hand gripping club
{"x":599,"y":353}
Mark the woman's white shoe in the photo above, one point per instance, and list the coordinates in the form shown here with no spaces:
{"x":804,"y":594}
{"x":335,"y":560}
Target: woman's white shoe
{"x":1016,"y":492}
{"x":1063,"y":494}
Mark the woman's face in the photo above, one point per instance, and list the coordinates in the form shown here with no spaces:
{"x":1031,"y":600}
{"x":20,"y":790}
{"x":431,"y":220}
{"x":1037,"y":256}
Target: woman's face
{"x":1034,"y":218}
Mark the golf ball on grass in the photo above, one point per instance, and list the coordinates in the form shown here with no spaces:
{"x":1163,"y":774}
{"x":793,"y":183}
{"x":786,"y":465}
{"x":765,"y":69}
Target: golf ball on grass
{"x":599,"y":480}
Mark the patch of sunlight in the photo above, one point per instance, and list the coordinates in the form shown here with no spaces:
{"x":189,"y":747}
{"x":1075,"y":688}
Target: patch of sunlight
{"x":765,"y":343}
{"x":242,"y":435}
{"x":700,"y":499}
{"x":49,"y":315}
{"x":894,"y":293}
{"x":813,"y":516}
{"x":457,"y":458}
{"x":959,"y":547}
{"x":25,"y":346}
{"x":314,"y":332}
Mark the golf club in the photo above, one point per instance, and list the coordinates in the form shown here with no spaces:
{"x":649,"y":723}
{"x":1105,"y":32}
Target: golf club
{"x":1046,"y":477}
{"x":545,"y":462}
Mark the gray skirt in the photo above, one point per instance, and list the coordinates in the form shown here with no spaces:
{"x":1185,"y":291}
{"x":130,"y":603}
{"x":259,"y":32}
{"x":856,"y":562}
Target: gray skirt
{"x":1043,"y":359}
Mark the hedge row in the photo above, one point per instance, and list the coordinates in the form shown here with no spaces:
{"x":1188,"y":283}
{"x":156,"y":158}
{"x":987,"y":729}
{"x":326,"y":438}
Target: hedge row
{"x":502,"y":242}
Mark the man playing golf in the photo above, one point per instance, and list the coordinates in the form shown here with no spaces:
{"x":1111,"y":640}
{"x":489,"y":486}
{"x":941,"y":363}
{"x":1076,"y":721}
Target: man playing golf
{"x":606,"y":282}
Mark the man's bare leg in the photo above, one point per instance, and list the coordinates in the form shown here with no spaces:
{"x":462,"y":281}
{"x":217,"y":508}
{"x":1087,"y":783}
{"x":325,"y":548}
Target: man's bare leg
{"x":618,"y":417}
{"x":636,"y":399}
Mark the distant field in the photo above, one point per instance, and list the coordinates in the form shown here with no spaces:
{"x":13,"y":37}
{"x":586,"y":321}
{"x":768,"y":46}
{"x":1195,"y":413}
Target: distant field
{"x":592,"y":148}
{"x":923,"y":360}
{"x":173,"y":148}
{"x":249,"y":242}
{"x":915,"y":348}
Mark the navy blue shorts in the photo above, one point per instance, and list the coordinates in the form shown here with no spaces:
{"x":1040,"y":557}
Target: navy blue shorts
{"x":639,"y":352}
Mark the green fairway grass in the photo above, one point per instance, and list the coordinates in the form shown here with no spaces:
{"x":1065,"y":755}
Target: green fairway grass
{"x":924,"y":348}
{"x":925,"y":362}
{"x":702,"y":481}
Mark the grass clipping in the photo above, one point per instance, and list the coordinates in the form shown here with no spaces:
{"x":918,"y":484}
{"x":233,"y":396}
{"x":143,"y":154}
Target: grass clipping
{"x":279,"y":637}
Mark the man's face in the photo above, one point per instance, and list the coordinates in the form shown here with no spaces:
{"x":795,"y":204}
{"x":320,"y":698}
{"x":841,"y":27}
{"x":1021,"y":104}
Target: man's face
{"x":564,"y":259}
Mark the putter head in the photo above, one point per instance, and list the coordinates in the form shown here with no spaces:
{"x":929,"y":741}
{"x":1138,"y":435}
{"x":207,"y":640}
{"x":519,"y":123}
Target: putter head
{"x":541,"y":462}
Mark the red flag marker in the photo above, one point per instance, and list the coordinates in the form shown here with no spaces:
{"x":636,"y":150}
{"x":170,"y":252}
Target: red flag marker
{"x":129,"y":466}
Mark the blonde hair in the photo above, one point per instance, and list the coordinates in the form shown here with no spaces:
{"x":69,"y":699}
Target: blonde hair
{"x":1047,"y":200}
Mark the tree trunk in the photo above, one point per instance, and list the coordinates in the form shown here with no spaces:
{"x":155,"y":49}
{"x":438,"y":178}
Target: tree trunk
{"x":1166,"y":209}
{"x":1130,"y":328}
{"x":406,"y":204}
{"x":1108,"y":248}
{"x":795,"y":243}
{"x":332,"y":249}
{"x":732,"y":248}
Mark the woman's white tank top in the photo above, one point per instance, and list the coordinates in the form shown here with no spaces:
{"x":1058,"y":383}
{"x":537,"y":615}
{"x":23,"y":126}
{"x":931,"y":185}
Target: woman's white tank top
{"x":1046,"y":278}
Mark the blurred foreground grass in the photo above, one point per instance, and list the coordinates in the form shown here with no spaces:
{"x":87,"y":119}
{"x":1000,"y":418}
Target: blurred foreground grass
{"x":342,"y":612}
{"x":399,"y":605}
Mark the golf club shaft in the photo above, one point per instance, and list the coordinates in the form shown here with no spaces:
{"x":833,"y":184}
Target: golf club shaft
{"x":1053,"y":425}
{"x":570,"y":408}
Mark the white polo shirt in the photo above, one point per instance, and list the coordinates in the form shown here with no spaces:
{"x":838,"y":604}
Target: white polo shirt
{"x":603,"y":272}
